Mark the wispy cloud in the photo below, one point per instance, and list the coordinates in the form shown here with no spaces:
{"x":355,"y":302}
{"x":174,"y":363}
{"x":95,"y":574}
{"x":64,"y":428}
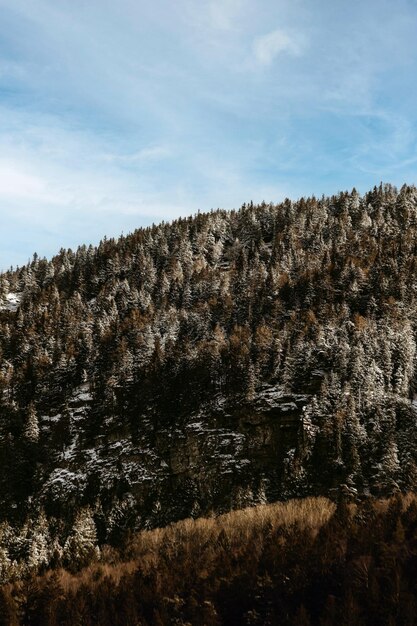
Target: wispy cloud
{"x":146,"y":155}
{"x":15,"y":183}
{"x":267,"y":47}
{"x":113,"y":115}
{"x":224,"y":15}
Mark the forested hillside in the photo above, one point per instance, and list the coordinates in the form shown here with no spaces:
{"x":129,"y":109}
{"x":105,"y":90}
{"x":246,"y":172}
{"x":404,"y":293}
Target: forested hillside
{"x":219,"y":361}
{"x":301,"y":563}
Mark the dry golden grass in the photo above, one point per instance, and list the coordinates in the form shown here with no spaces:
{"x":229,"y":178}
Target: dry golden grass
{"x":268,"y":556}
{"x":197,"y":541}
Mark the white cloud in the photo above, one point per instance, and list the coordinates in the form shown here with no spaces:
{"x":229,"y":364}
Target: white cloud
{"x":143,"y":156}
{"x":143,"y":111}
{"x":267,"y":47}
{"x":215,"y":15}
{"x":224,"y":14}
{"x":17,"y":183}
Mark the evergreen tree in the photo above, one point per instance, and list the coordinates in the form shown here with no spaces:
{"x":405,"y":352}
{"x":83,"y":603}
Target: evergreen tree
{"x":81,"y":545}
{"x":31,"y":430}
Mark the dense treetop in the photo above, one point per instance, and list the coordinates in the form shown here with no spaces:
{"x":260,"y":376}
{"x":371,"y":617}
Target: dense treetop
{"x":227,"y":293}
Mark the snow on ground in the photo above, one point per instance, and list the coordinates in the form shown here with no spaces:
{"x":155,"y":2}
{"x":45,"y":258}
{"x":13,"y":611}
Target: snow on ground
{"x":11,"y":302}
{"x":82,"y":394}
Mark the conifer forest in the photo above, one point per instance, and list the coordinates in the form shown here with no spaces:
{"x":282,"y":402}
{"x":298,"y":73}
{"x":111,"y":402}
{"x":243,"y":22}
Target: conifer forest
{"x":214,"y":421}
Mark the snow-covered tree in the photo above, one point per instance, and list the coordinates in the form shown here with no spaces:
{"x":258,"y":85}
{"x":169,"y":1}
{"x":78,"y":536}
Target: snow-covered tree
{"x":31,"y":430}
{"x":81,"y":545}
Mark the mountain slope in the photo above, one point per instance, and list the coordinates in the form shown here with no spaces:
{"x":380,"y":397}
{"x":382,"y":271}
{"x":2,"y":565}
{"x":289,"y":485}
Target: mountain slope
{"x":222,"y":360}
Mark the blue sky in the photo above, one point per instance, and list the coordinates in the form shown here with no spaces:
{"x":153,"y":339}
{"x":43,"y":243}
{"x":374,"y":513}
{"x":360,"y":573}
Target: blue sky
{"x":117,"y":114}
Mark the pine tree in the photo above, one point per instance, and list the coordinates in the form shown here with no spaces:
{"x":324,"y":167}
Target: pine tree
{"x":81,"y":546}
{"x":38,"y":542}
{"x":31,"y":430}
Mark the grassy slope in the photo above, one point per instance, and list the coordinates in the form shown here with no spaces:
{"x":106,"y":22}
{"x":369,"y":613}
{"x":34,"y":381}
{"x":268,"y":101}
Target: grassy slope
{"x":301,"y":562}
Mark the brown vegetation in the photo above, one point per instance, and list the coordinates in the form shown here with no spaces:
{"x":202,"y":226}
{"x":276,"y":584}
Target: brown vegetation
{"x":301,"y":562}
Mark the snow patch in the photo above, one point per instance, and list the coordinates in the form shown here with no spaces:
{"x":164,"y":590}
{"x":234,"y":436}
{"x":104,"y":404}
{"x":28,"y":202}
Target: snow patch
{"x":11,"y":302}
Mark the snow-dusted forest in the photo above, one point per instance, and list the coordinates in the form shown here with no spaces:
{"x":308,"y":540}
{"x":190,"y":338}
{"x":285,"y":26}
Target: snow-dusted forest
{"x":218,"y":361}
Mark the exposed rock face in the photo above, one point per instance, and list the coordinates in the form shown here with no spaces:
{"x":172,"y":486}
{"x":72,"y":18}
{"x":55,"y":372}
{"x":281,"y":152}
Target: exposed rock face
{"x":10,"y":302}
{"x":216,"y":460}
